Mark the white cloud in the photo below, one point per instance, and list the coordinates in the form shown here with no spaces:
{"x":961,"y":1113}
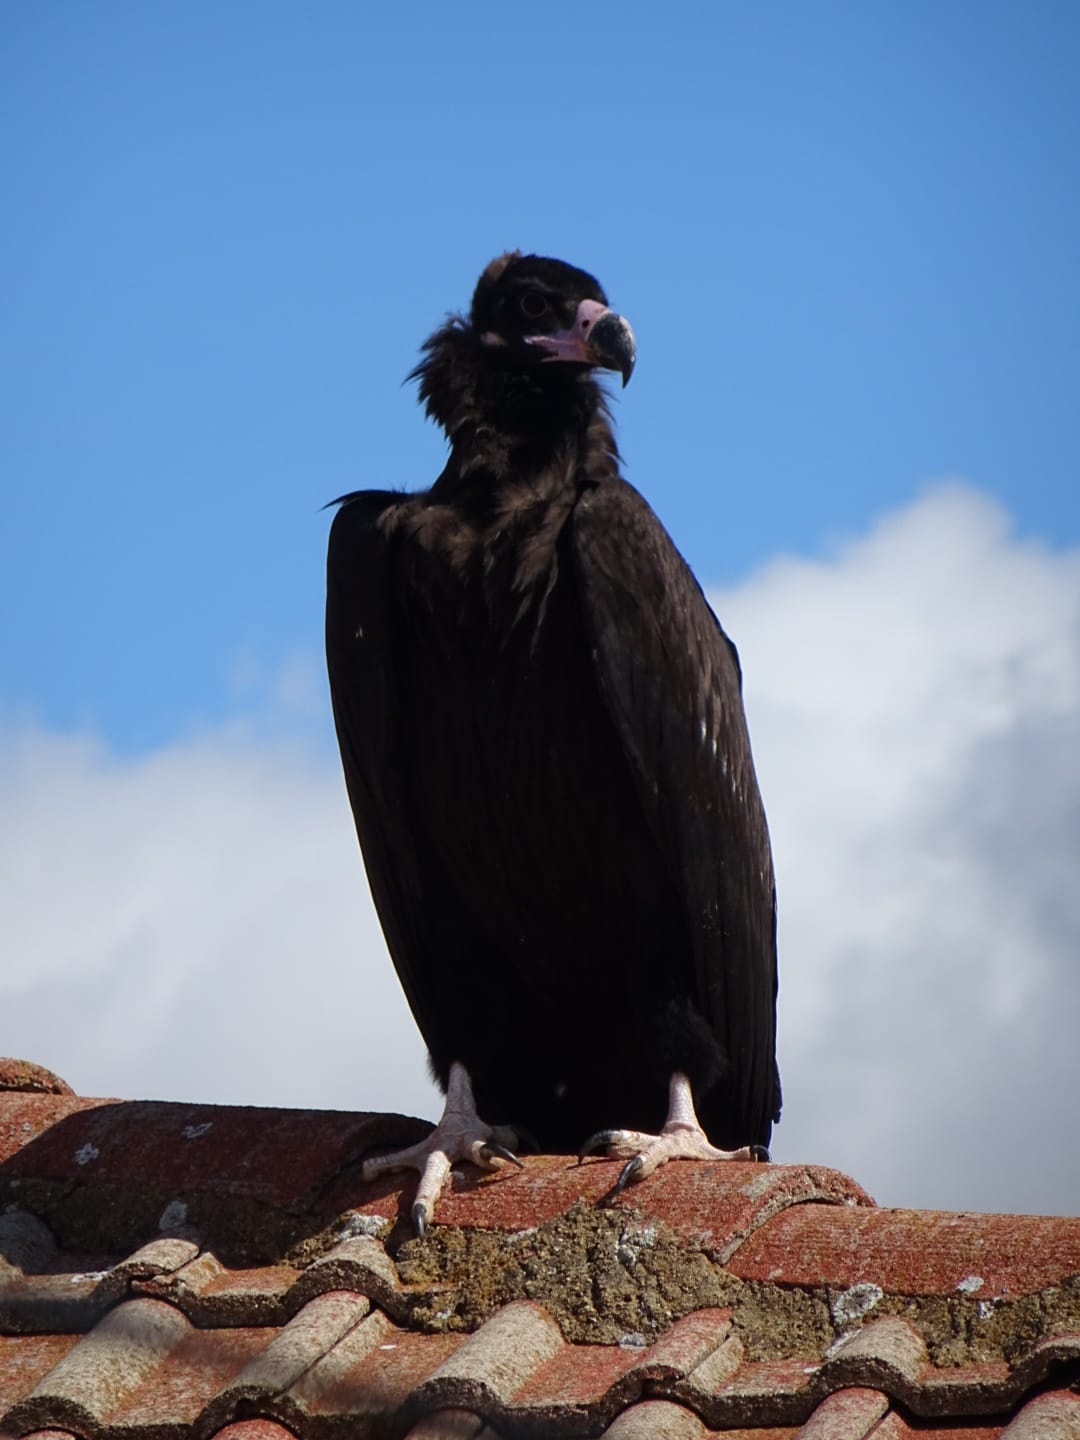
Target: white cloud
{"x":195,"y":925}
{"x":914,"y":701}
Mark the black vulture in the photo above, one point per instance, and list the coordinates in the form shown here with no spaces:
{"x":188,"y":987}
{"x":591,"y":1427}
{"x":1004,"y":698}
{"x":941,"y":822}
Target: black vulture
{"x":542,"y":733}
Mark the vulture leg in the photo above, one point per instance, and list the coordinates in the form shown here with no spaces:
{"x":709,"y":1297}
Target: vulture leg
{"x":459,"y":1135}
{"x":682,"y":1138}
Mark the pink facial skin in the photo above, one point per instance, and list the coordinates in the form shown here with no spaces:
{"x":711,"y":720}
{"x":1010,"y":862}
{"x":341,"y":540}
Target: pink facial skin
{"x":573,"y":344}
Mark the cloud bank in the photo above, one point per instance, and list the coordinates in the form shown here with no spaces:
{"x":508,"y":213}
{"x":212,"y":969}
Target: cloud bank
{"x":914,"y":701}
{"x":194,"y":924}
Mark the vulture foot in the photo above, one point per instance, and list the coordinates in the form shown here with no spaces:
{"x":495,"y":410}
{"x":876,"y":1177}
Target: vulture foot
{"x":459,"y":1135}
{"x":682,"y":1138}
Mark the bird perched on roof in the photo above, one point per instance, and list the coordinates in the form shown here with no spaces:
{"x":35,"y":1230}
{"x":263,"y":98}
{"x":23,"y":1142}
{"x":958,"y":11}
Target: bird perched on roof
{"x":542,"y":733}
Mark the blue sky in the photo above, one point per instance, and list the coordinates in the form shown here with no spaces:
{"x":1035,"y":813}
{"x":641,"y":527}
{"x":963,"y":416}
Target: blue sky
{"x":845,"y":234}
{"x":847,"y":238}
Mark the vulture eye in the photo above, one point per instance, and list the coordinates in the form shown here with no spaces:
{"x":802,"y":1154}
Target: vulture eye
{"x":533,"y":305}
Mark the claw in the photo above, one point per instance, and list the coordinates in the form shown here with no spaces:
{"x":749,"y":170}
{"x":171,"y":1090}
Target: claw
{"x":490,"y":1150}
{"x":629,"y":1172}
{"x":682,"y":1138}
{"x":420,"y":1218}
{"x":600,"y":1141}
{"x":459,"y":1135}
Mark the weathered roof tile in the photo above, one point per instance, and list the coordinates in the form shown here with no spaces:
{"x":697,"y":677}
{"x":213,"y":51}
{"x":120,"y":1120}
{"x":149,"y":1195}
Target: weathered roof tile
{"x":24,"y":1075}
{"x":50,"y":1435}
{"x":171,"y":1270}
{"x":492,"y":1365}
{"x":1054,"y":1416}
{"x":849,"y":1414}
{"x":653,"y":1419}
{"x":896,"y":1426}
{"x":358,"y":1263}
{"x":921,"y":1252}
{"x":24,"y":1360}
{"x":371,"y":1372}
{"x":210,"y":1293}
{"x":90,"y":1382}
{"x":254,"y":1430}
{"x":449,"y":1425}
{"x":196,"y":1372}
{"x":889,"y":1353}
{"x":731,"y":1394}
{"x":291,"y":1353}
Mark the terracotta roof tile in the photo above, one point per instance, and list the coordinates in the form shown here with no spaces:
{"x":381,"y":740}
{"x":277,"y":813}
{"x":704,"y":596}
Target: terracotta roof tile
{"x":449,"y":1425}
{"x":210,"y":1293}
{"x":91,"y":1381}
{"x":896,"y":1427}
{"x":776,"y":1391}
{"x":171,"y":1269}
{"x":193,"y":1376}
{"x":1054,"y":1416}
{"x":653,"y":1418}
{"x":924,"y":1252}
{"x":495,"y":1362}
{"x":359,"y":1263}
{"x":373,"y":1365}
{"x":254,"y":1430}
{"x":286,"y":1357}
{"x":24,"y":1075}
{"x":720,"y":1217}
{"x":24,"y":1359}
{"x":849,"y":1414}
{"x":51,"y":1435}
{"x":581,"y":1385}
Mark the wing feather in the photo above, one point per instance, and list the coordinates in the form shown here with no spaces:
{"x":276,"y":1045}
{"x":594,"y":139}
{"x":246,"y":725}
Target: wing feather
{"x":360,"y":662}
{"x":672,"y":683}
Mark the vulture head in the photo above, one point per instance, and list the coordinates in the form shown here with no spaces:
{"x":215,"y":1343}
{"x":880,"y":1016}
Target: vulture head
{"x":543,"y":312}
{"x":521,"y":363}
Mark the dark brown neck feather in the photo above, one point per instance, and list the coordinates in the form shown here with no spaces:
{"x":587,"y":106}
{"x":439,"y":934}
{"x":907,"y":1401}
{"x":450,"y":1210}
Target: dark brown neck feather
{"x":510,"y":422}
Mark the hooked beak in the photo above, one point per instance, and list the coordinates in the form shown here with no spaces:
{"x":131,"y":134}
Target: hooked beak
{"x":597,"y":337}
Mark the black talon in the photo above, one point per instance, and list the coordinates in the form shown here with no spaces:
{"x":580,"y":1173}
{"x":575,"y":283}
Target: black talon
{"x":760,"y":1154}
{"x":419,"y":1219}
{"x":629,"y":1170}
{"x":599,"y":1141}
{"x":490,"y":1148}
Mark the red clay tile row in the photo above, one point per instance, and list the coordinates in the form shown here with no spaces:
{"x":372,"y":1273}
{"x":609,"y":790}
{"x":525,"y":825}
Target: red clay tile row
{"x":25,"y":1076}
{"x":717,"y":1208}
{"x":339,"y":1363}
{"x":280,"y":1158}
{"x":919,"y":1252}
{"x":1049,"y":1417}
{"x":758,"y":1220}
{"x":169,"y":1341}
{"x":870,"y":1253}
{"x":298,"y":1161}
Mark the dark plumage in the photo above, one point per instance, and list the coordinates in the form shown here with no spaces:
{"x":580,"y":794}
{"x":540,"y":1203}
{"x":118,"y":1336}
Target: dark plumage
{"x":542,"y":732}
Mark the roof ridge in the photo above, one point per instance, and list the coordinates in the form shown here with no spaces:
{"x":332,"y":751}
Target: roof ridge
{"x":166,"y":1267}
